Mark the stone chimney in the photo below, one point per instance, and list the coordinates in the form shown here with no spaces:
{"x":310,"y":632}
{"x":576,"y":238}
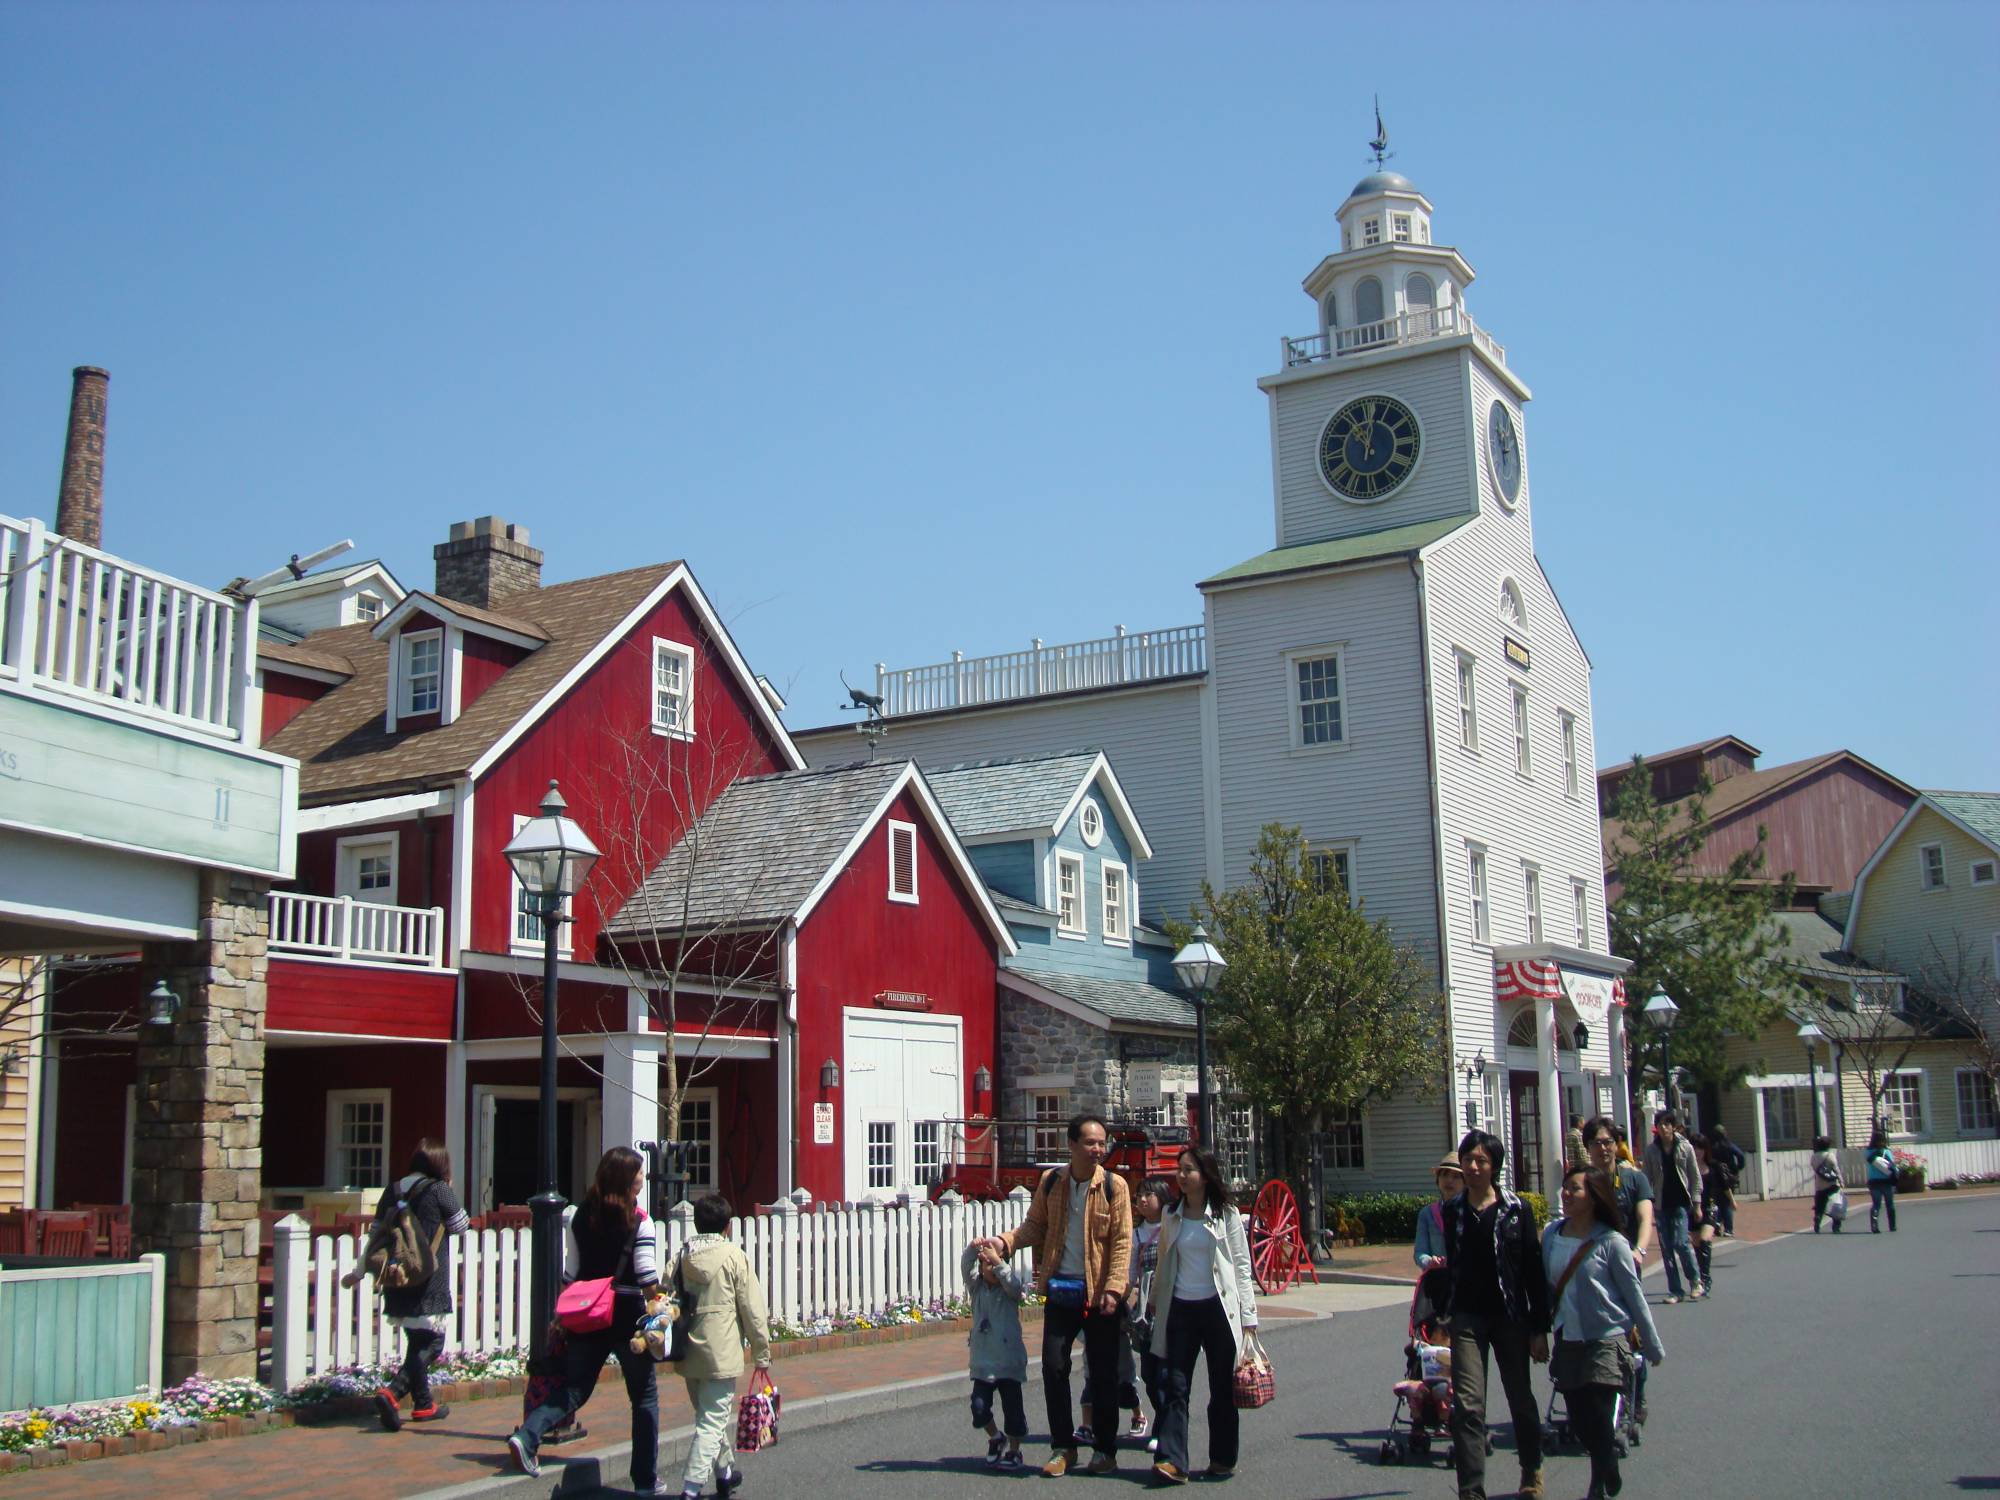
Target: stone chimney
{"x":80,"y":506}
{"x":485,"y":561}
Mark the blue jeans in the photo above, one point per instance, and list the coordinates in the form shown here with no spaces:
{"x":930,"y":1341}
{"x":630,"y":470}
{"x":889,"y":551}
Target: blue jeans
{"x":1678,"y":1251}
{"x":583,"y":1361}
{"x":1881,"y":1192}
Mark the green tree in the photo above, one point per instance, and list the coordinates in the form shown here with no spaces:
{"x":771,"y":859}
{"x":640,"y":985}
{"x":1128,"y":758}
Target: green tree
{"x":1701,"y":933}
{"x":1320,"y":1010}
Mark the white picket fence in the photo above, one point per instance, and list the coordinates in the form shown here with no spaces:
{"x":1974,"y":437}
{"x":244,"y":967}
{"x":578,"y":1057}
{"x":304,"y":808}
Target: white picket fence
{"x":1789,"y":1174}
{"x":813,"y":1260}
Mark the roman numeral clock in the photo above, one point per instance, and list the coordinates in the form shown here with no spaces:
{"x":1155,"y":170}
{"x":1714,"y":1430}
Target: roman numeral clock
{"x":1369,"y":447}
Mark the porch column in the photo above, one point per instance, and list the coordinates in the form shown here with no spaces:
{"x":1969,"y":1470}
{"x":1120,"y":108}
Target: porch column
{"x":454,"y":1113}
{"x":632,"y":1093}
{"x":198,"y":1140}
{"x":1621,"y":1093}
{"x":1763,"y":1147}
{"x":1551,"y":1097}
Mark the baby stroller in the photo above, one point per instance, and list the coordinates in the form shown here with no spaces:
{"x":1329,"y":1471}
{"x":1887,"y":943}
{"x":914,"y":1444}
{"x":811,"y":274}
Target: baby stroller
{"x":1424,"y":1394}
{"x":1557,"y":1433}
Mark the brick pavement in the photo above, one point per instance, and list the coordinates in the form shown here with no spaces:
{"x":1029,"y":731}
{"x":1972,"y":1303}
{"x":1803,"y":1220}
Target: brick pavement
{"x":354,"y":1457}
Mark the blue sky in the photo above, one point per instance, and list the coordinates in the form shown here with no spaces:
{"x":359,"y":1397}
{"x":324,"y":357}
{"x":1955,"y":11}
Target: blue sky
{"x":928,"y":327}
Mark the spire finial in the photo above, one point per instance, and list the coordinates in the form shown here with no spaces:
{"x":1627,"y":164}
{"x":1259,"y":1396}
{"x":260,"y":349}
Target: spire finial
{"x":1380,"y":145}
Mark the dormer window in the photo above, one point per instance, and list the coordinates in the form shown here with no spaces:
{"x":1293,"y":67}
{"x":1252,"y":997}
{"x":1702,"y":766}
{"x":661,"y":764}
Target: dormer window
{"x":1371,"y":231}
{"x":673,"y":683}
{"x":1401,"y":225}
{"x":423,"y":672}
{"x":367,"y":606}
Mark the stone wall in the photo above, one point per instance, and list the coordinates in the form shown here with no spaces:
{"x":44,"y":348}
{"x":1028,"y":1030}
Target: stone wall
{"x":197,"y":1154}
{"x":1037,"y":1040}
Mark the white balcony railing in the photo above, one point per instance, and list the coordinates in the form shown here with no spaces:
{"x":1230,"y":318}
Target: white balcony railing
{"x":1415,"y":327}
{"x":967,"y":680}
{"x":83,"y":624}
{"x":340,"y":927}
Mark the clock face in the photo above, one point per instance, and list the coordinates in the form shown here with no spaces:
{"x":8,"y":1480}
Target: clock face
{"x":1503,"y":451}
{"x":1369,"y":448}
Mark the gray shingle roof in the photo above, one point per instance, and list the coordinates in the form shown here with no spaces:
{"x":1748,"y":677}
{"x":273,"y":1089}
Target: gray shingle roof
{"x":1120,"y":999}
{"x":758,"y":851}
{"x":1809,"y":942}
{"x":1000,"y":796}
{"x":1011,"y":904}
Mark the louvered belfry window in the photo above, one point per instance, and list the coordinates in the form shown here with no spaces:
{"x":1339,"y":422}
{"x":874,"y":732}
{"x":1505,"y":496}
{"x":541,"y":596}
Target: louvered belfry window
{"x":902,"y":862}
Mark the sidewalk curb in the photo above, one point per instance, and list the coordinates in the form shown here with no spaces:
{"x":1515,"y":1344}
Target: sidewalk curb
{"x":606,"y":1468}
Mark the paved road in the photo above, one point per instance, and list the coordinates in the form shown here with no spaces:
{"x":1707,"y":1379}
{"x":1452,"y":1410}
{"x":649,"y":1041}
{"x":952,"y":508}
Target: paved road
{"x":1823,"y":1367}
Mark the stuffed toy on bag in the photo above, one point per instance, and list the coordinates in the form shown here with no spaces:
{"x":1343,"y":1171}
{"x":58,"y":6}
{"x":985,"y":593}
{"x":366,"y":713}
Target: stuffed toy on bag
{"x":656,"y":1329}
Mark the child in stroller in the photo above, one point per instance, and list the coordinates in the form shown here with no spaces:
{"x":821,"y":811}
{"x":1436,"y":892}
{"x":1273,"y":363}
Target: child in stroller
{"x":1424,"y":1394}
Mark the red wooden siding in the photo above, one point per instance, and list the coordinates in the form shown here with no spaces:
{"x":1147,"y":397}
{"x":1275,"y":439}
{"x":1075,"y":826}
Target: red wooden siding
{"x":354,"y":1001}
{"x":502,"y":1005}
{"x":1823,"y":828}
{"x":285,"y":697}
{"x":484,"y":662}
{"x":590,"y":741}
{"x":858,"y":943}
{"x":423,"y":860}
{"x":296,"y":1081}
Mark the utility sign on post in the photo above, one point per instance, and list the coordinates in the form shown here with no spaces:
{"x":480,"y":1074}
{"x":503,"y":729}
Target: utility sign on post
{"x":822,"y":1124}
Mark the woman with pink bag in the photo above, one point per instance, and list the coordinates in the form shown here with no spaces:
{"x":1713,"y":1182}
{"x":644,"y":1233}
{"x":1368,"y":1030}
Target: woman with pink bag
{"x":610,"y":1240}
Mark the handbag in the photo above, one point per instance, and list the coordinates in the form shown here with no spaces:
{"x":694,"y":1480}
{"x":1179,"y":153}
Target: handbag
{"x":757,"y":1419}
{"x":1255,"y":1383}
{"x":585,"y":1306}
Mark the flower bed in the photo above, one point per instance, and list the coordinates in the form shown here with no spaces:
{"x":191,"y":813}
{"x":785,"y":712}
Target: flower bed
{"x":1911,"y":1171}
{"x":901,"y":1314}
{"x":187,"y":1405}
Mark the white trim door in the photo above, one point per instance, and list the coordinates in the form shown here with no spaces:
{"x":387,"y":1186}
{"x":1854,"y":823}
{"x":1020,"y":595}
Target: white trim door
{"x":586,"y":1126}
{"x":901,"y":1072}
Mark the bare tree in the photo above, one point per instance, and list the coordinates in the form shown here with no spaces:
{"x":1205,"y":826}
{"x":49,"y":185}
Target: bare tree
{"x":1872,"y":1032}
{"x":1957,"y":986}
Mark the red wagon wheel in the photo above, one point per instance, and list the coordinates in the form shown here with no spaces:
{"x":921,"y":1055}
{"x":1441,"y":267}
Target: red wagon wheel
{"x":1276,"y":1246}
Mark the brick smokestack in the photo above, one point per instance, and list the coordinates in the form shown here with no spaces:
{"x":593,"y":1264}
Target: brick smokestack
{"x":80,"y":507}
{"x":485,"y":561}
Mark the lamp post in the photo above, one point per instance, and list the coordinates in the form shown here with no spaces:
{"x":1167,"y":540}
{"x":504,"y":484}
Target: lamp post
{"x":1199,"y":966}
{"x":1809,"y":1034}
{"x":551,"y":856}
{"x":1662,"y":1012}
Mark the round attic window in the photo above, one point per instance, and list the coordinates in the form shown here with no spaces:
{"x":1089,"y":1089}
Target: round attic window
{"x":1090,"y":823}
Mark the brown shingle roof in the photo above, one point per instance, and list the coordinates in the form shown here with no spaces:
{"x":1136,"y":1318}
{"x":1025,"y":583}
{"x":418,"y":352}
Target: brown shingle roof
{"x":341,"y":743}
{"x":518,"y":624}
{"x":306,"y":656}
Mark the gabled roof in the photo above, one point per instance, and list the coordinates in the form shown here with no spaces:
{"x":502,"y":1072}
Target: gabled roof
{"x":1977,"y":814}
{"x":337,"y":576}
{"x":1130,"y":1000}
{"x":284,"y":654}
{"x":769,"y":847}
{"x":344,"y":749}
{"x":1032,"y":795}
{"x":1368,"y":546}
{"x":508,"y":627}
{"x":1699,"y":747}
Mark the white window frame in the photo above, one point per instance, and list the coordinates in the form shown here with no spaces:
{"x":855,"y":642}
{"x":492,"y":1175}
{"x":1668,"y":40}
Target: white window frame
{"x":1524,"y":760}
{"x":907,"y":831}
{"x":1333,"y":852}
{"x":1987,"y":863}
{"x":407,"y":680}
{"x":1347,"y":1139}
{"x":369,"y":607}
{"x":1925,"y":868}
{"x":519,"y":941}
{"x":1117,"y":916}
{"x":1571,"y":781}
{"x":1894,"y":1080}
{"x":1049,"y":1140}
{"x":673,"y":723}
{"x":1510,"y":592}
{"x":1090,"y":822}
{"x":1298,"y":702}
{"x":335,"y":1099}
{"x":706,"y":1181}
{"x":1402,"y":228}
{"x":1371,"y":233}
{"x":1080,"y":928}
{"x":1579,"y":905}
{"x":1531,"y":898}
{"x":1482,"y":907}
{"x":348,"y":853}
{"x":1237,"y":1129}
{"x":1982,"y":1094}
{"x":1782,"y":1132}
{"x":1468,"y":700}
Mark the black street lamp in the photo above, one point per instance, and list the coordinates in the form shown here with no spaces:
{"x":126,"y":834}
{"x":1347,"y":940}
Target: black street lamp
{"x":1199,"y":966}
{"x":1810,"y":1033}
{"x":551,"y":856}
{"x":1662,"y":1012}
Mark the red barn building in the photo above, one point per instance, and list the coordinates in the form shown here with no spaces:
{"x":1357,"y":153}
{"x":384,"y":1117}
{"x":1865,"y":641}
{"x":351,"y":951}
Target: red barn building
{"x":405,"y":966}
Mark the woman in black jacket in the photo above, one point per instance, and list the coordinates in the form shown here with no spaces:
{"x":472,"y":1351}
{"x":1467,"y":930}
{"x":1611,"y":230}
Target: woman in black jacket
{"x":1499,"y":1306}
{"x":423,"y":1311}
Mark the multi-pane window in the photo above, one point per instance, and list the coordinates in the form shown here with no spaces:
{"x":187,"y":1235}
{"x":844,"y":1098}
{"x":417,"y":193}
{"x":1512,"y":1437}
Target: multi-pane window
{"x":1331,"y":870}
{"x":367,"y":606}
{"x":1984,"y":871}
{"x":673,"y":687}
{"x":1050,"y":1111}
{"x":881,"y":1154}
{"x":357,"y":1138}
{"x":374,"y":873}
{"x":1569,"y":754}
{"x":1579,"y":900}
{"x":926,"y":1151}
{"x":697,"y":1134}
{"x":1069,"y":893}
{"x":1903,"y":1103}
{"x":1521,"y":764}
{"x":1237,"y":1134}
{"x":1468,"y":708}
{"x":1531,"y":890}
{"x":1400,"y":226}
{"x":1371,"y":231}
{"x":1975,"y":1102}
{"x":1115,"y":927}
{"x":1482,"y":927}
{"x":528,"y":909}
{"x":903,"y":862}
{"x":1090,"y":823}
{"x":1930,"y":860}
{"x":1344,"y":1141}
{"x":1781,"y":1116}
{"x":1317,"y":679}
{"x":423,"y":657}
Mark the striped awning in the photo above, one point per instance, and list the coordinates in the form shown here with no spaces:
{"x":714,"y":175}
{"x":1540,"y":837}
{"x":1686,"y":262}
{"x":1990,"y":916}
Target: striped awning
{"x":1527,"y":979}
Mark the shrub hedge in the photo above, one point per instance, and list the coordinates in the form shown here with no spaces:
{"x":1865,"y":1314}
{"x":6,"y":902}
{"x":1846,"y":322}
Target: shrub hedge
{"x":1381,"y":1218}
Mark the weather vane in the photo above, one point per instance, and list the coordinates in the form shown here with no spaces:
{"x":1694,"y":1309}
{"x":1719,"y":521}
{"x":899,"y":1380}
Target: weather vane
{"x":1380,"y":145}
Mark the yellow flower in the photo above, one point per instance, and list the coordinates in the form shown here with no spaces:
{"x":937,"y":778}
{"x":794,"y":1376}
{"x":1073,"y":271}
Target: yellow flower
{"x":36,"y":1428}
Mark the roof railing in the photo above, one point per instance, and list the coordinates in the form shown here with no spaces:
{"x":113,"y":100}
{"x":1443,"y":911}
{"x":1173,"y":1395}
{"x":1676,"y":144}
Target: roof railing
{"x":1109,"y":661}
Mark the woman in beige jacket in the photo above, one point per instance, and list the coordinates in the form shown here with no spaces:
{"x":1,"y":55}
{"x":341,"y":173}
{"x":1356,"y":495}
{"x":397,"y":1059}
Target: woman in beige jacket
{"x":725,"y":1305}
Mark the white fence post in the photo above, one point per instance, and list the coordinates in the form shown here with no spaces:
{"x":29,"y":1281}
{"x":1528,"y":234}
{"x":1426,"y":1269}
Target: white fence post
{"x":291,"y":1250}
{"x":780,"y":1290}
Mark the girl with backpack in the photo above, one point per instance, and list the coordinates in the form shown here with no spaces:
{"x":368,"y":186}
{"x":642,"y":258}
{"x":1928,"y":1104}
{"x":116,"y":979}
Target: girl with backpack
{"x":410,"y":1249}
{"x":609,"y":1236}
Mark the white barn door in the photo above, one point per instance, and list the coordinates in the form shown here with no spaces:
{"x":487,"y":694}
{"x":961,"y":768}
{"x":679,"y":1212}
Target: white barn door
{"x":902,"y":1077}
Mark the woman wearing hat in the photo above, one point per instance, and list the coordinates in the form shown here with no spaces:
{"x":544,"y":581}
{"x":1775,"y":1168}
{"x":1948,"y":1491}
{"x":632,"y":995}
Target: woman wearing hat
{"x":1430,"y":1223}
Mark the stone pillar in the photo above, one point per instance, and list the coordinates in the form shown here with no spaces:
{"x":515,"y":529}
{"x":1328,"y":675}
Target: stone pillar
{"x":197,"y":1145}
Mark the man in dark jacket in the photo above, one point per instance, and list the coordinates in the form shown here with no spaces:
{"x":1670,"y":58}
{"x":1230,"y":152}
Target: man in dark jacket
{"x":1498,"y":1306}
{"x":1676,"y":1179}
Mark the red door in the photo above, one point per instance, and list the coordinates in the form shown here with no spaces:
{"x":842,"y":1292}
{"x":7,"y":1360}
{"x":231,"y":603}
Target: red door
{"x":1525,"y":1091}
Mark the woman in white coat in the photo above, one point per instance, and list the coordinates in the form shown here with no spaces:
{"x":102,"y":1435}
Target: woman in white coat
{"x":1203,"y":1302}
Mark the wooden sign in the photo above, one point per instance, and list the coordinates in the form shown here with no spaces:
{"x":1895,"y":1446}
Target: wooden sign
{"x":902,"y":1000}
{"x":1517,"y":652}
{"x":1142,"y":1085}
{"x":822,"y":1124}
